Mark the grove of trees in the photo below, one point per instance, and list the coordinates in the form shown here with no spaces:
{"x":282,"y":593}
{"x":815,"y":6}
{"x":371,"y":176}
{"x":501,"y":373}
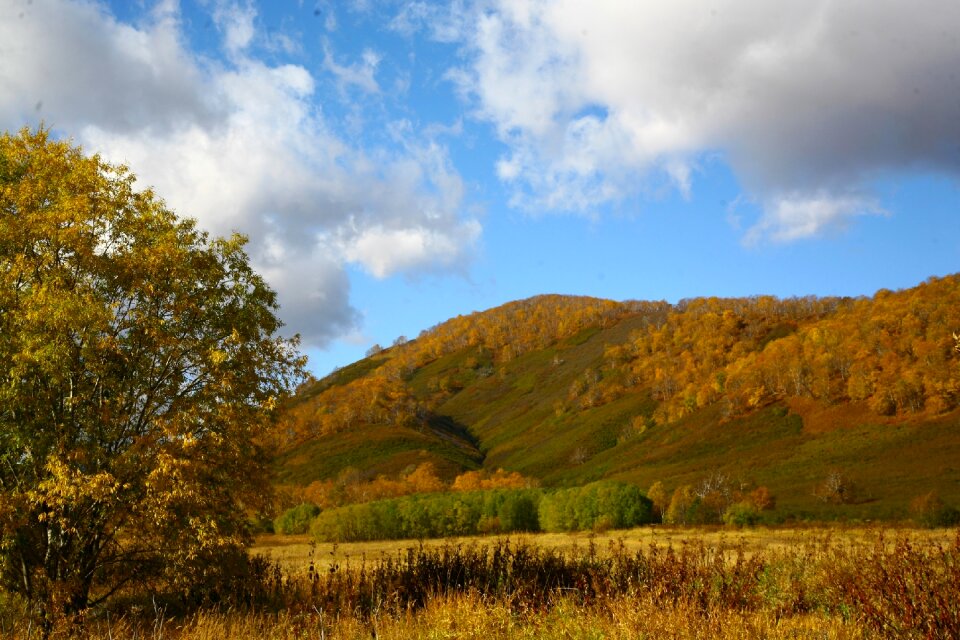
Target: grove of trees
{"x":600,"y":505}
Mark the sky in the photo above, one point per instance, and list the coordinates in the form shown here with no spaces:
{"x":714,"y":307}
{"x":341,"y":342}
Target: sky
{"x":395,"y":164}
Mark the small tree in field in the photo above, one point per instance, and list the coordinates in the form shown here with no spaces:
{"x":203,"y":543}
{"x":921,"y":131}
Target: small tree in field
{"x":837,"y":488}
{"x":138,"y":364}
{"x":660,"y":498}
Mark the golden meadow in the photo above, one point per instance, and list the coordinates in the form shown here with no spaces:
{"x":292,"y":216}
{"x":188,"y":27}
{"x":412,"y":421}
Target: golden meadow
{"x":651,"y":582}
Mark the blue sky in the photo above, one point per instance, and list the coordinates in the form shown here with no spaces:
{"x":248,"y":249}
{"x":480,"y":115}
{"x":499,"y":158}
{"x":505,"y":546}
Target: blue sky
{"x":398,"y":163}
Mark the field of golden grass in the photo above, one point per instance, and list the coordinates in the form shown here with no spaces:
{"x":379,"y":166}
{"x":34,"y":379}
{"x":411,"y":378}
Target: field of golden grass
{"x":295,"y":552}
{"x":651,"y":583}
{"x":471,"y":618}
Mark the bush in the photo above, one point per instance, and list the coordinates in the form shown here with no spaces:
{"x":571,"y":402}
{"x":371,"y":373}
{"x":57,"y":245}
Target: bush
{"x":434,"y":515}
{"x":741,"y":514}
{"x":837,"y":488}
{"x":296,"y":520}
{"x":929,"y":510}
{"x":261,"y":524}
{"x":608,"y":505}
{"x":613,"y":505}
{"x":518,"y":512}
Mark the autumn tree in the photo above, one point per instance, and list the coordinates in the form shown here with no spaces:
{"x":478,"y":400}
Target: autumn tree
{"x":683,"y":506}
{"x":485,"y":480}
{"x":139,"y":359}
{"x":660,"y":498}
{"x":837,"y":488}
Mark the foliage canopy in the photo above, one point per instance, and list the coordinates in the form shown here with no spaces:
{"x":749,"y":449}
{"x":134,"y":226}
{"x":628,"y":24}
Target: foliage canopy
{"x":139,"y":359}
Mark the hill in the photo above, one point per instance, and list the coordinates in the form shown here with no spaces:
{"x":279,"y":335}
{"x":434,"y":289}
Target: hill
{"x":809,"y":397}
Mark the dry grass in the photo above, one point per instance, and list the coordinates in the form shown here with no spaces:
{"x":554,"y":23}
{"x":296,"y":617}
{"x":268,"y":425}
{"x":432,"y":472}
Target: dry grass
{"x":471,"y":618}
{"x":648,"y":583}
{"x":295,"y":553}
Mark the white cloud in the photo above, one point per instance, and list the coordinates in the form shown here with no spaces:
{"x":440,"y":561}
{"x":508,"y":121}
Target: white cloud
{"x":806,"y":100}
{"x":792,"y":217}
{"x":444,"y":23}
{"x":385,"y":251}
{"x":361,"y":74}
{"x":236,"y":24}
{"x":80,"y":66}
{"x":241,"y":146}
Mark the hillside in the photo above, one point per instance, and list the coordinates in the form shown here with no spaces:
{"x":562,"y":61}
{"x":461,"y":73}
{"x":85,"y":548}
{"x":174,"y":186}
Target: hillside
{"x":566,"y":390}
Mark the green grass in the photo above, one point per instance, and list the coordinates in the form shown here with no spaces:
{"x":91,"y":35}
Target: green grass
{"x":374,"y":450}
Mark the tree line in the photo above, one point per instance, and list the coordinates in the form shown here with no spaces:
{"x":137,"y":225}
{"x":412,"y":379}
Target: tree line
{"x":600,"y":505}
{"x":349,"y":486}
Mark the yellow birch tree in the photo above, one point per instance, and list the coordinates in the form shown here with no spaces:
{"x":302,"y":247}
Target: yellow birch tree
{"x":139,"y":361}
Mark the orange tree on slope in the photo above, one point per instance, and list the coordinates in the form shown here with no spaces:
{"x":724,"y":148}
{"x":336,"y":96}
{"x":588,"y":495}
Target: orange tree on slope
{"x":138,"y":361}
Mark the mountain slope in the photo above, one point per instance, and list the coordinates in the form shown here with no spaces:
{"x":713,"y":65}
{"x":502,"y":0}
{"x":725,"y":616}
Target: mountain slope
{"x":567,"y":390}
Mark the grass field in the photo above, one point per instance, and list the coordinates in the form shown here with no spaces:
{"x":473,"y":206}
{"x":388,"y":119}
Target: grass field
{"x":472,"y":618}
{"x":825,"y":582}
{"x":295,"y":553}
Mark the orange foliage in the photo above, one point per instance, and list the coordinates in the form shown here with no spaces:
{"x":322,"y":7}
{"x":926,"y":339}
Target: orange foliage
{"x":348,"y":488}
{"x":379,"y":398}
{"x":894,"y":353}
{"x":424,"y":479}
{"x":513,"y":329}
{"x":501,"y":334}
{"x":485,"y":480}
{"x":682,"y":358}
{"x":762,"y":499}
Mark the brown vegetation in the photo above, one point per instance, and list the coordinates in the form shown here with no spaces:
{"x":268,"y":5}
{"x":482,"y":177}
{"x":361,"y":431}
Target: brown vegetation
{"x":888,"y":588}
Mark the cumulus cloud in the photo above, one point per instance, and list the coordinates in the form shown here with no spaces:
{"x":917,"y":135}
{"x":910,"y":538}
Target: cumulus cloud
{"x":808,"y":101}
{"x":240,"y":145}
{"x":383,"y":251}
{"x":74,"y":64}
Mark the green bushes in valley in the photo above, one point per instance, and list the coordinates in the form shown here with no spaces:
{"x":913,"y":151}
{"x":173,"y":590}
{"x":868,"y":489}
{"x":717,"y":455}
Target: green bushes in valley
{"x":608,"y":505}
{"x":599,"y":505}
{"x":297,"y":519}
{"x":432,"y":515}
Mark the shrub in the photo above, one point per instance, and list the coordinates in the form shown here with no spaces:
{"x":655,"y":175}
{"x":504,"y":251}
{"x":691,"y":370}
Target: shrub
{"x":929,"y":510}
{"x":261,"y":524}
{"x":432,"y":516}
{"x":741,"y":514}
{"x":837,"y":488}
{"x":297,"y":519}
{"x":518,"y":512}
{"x":488,"y":525}
{"x":660,"y":498}
{"x":619,"y":505}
